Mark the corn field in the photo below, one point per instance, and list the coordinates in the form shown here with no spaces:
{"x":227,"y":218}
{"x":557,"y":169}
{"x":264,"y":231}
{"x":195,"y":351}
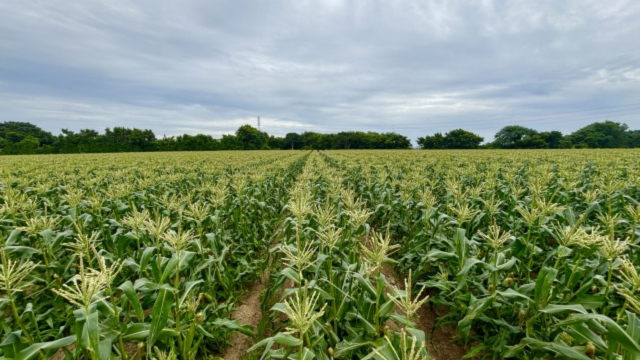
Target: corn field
{"x":523,"y":254}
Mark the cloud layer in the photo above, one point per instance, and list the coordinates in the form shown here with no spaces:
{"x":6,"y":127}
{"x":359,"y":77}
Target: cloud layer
{"x":414,"y":67}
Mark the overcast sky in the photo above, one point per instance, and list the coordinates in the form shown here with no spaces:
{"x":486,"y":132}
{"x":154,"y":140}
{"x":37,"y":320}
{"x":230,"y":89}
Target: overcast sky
{"x":413,"y":67}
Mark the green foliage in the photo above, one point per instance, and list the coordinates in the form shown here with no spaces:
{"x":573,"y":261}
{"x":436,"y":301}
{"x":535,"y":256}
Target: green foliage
{"x":252,"y":138}
{"x":461,"y":139}
{"x":606,"y":134}
{"x":531,"y":252}
{"x":24,"y":138}
{"x":345,"y":140}
{"x":28,"y":145}
{"x":510,"y":137}
{"x":432,"y":142}
{"x":14,"y":132}
{"x":154,"y":250}
{"x":455,"y":139}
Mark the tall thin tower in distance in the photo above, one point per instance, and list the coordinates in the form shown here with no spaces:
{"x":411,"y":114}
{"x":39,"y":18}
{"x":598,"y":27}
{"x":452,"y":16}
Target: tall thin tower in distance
{"x":258,"y":123}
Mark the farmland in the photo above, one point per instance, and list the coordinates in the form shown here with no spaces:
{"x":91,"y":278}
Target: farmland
{"x":345,"y":254}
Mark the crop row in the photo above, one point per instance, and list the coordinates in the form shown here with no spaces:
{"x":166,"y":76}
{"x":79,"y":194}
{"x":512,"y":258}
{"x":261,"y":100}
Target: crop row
{"x":533,"y":254}
{"x":111,"y":256}
{"x":328,"y":297}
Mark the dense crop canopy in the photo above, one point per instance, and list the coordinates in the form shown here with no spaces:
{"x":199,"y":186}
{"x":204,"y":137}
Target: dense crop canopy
{"x":524,"y":254}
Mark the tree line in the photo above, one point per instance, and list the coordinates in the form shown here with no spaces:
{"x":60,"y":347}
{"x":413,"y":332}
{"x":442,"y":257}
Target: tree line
{"x":607,"y":134}
{"x":26,"y":138}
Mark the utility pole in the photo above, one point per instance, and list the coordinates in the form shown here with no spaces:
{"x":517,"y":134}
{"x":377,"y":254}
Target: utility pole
{"x":258,"y":123}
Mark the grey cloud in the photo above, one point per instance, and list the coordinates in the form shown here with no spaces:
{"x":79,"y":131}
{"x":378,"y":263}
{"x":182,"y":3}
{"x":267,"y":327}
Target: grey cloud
{"x":414,"y":67}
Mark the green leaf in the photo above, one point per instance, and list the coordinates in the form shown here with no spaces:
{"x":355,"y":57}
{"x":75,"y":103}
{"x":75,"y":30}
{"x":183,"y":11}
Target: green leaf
{"x":33,"y":350}
{"x":185,"y":258}
{"x":130,"y":293}
{"x":286,"y":339}
{"x":160,"y":314}
{"x":291,"y":274}
{"x":21,"y":252}
{"x":168,"y":269}
{"x":561,"y":309}
{"x":633,"y":326}
{"x":233,"y":324}
{"x":267,"y":343}
{"x":438,"y":254}
{"x":105,"y":349}
{"x":366,"y":284}
{"x":12,"y":345}
{"x":614,"y":331}
{"x":13,"y":238}
{"x":82,"y":341}
{"x":475,"y":311}
{"x":94,"y":333}
{"x":345,"y":347}
{"x":136,"y":332}
{"x":633,"y":330}
{"x":567,"y":351}
{"x":544,"y":285}
{"x":187,"y":288}
{"x":514,"y":295}
{"x":146,"y":256}
{"x":385,"y":308}
{"x":369,"y":327}
{"x":468,"y":264}
{"x":307,"y":354}
{"x":582,"y":332}
{"x":590,"y":302}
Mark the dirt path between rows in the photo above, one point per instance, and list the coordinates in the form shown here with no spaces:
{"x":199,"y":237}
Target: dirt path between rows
{"x":250,"y":312}
{"x":441,"y":346}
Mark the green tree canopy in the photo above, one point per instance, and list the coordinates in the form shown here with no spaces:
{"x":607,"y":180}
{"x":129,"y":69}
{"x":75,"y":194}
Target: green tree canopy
{"x":607,"y":134}
{"x":432,"y":142}
{"x":14,"y":132}
{"x":454,"y":139}
{"x":252,"y":138}
{"x":462,"y":139}
{"x":509,"y":136}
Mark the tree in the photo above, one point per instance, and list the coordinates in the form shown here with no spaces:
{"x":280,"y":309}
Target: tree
{"x":395,"y":141}
{"x":292,"y":141}
{"x":455,"y":139}
{"x":554,"y":139}
{"x":509,"y":136}
{"x":252,"y":138}
{"x":532,"y":142}
{"x":432,"y":142}
{"x":14,"y":131}
{"x":461,"y":139}
{"x":276,"y":142}
{"x":634,"y":138}
{"x":230,"y":142}
{"x":606,"y":134}
{"x":142,"y":140}
{"x":28,"y":145}
{"x":23,"y":138}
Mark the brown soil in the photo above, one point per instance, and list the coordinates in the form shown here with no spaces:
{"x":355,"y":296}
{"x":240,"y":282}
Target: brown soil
{"x":59,"y":355}
{"x":442,"y":345}
{"x":131,"y":349}
{"x":249,"y":313}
